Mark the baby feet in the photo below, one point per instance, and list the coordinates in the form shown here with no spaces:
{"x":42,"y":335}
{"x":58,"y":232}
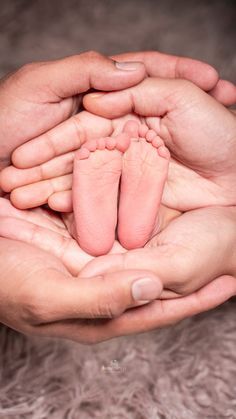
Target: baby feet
{"x":96,"y":178}
{"x":144,"y":172}
{"x":122,"y":179}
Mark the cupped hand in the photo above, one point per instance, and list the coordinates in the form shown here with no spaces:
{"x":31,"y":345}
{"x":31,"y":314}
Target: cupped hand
{"x":39,"y":96}
{"x":158,"y":64}
{"x":51,"y":181}
{"x":53,"y":155}
{"x":199,"y":132}
{"x":41,"y":289}
{"x":193,"y":250}
{"x":40,"y":296}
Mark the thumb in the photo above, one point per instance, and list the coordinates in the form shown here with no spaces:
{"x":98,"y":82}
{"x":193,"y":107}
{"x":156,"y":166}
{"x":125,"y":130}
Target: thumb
{"x":79,"y":73}
{"x":152,"y":97}
{"x":58,"y":297}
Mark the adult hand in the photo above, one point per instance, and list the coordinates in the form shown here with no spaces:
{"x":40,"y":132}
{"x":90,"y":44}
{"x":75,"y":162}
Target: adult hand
{"x":194,"y":249}
{"x":39,"y":96}
{"x":199,"y":132}
{"x":39,"y":295}
{"x":47,"y":152}
{"x":162,"y":65}
{"x":41,"y":291}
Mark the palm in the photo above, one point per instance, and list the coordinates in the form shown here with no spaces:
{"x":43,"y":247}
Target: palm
{"x":190,"y":247}
{"x":48,"y":232}
{"x":45,"y":230}
{"x":186,"y":255}
{"x":203,"y":148}
{"x":44,"y":110}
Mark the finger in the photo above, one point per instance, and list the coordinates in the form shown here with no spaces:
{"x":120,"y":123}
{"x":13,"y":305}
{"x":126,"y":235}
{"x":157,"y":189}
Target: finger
{"x":200,"y":73}
{"x":38,"y":216}
{"x":224,"y":92}
{"x":77,"y":74}
{"x":64,"y":138}
{"x":152,"y":97}
{"x":155,"y":315}
{"x":105,"y":296}
{"x":155,"y":260}
{"x":37,"y":194}
{"x":185,"y":255}
{"x":170,"y":66}
{"x":39,"y":235}
{"x":12,"y":177}
{"x":74,"y":259}
{"x":61,"y":201}
{"x":162,"y":313}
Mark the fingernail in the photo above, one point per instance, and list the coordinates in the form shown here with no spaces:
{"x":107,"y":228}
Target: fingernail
{"x":146,"y":289}
{"x":96,"y":95}
{"x":128,"y":65}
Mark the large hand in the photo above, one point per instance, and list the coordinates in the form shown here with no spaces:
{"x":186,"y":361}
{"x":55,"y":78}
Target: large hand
{"x":199,"y":132}
{"x":158,"y":64}
{"x":191,"y":251}
{"x":40,"y":96}
{"x":41,"y":291}
{"x":39,"y":295}
{"x":51,"y":182}
{"x":51,"y":147}
{"x":195,"y":250}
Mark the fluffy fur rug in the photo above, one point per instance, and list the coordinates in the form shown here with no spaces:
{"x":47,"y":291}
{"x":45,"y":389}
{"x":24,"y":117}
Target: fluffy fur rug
{"x":187,"y":371}
{"x":183,"y":372}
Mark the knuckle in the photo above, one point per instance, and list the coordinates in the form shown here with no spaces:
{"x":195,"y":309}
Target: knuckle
{"x":92,"y":55}
{"x":23,"y":74}
{"x":28,"y":67}
{"x":33,"y":311}
{"x":25,"y":70}
{"x":110,"y":306}
{"x":181,"y":267}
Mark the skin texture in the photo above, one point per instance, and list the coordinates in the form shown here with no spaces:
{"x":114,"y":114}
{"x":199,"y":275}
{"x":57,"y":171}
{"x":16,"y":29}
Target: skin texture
{"x":40,"y":257}
{"x":169,"y":66}
{"x":190,"y":252}
{"x":192,"y":125}
{"x":203,"y":160}
{"x":199,"y":132}
{"x":31,"y":315}
{"x":49,"y":93}
{"x":52,"y":259}
{"x":45,"y":150}
{"x":36,"y":98}
{"x":118,"y":183}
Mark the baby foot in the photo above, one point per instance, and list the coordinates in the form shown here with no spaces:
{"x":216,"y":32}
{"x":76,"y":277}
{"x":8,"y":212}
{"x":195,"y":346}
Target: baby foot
{"x":96,"y":177}
{"x":144,"y":172}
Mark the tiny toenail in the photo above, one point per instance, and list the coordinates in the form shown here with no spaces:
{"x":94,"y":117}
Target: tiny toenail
{"x":128,"y":65}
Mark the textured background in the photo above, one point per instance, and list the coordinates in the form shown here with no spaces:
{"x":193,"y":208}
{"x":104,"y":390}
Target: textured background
{"x":43,"y":29}
{"x":184,"y":372}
